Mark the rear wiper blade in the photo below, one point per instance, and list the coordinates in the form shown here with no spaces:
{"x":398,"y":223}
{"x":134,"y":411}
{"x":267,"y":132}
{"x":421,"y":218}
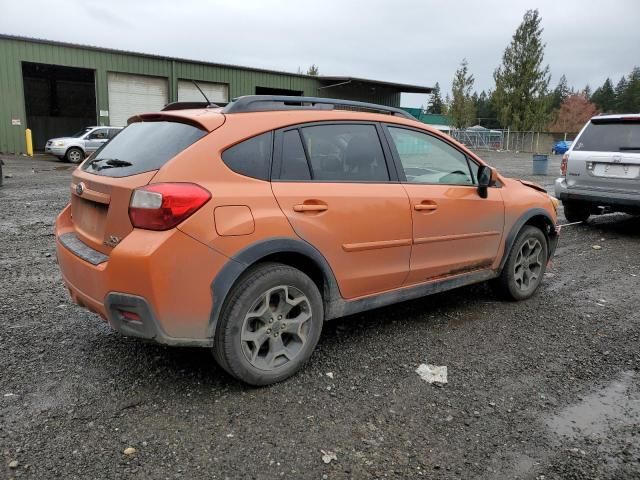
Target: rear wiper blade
{"x":114,"y":162}
{"x":109,"y":163}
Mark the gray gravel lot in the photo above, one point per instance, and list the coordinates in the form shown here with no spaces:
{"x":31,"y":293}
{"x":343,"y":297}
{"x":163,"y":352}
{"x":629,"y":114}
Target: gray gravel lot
{"x":546,"y":387}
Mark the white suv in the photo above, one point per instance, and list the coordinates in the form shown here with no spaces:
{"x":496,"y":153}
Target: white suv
{"x":601,"y":170}
{"x":76,"y":147}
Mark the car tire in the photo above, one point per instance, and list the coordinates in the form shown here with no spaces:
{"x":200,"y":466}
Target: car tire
{"x":74,"y":155}
{"x":270,"y":324}
{"x":576,"y":212}
{"x":525,"y":266}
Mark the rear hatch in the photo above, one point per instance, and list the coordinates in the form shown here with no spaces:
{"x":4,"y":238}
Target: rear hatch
{"x":606,"y":156}
{"x":102,"y":186}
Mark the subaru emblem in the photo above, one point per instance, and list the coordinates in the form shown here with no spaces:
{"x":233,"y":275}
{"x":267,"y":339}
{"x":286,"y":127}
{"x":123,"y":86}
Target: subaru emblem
{"x":80,"y":188}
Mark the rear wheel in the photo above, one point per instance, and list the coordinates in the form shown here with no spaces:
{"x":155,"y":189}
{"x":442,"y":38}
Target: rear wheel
{"x":270,"y":326}
{"x":74,"y":155}
{"x":525,"y":265}
{"x":576,"y":212}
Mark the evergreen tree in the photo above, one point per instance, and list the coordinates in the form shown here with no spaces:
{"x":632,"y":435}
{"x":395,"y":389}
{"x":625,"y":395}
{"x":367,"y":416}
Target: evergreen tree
{"x":446,"y":106}
{"x":560,"y":93}
{"x":604,"y":97}
{"x":486,"y":111}
{"x":435,"y":102}
{"x":521,"y":80}
{"x":628,"y":97}
{"x":462,"y":110}
{"x":586,"y":92}
{"x":619,"y":91}
{"x":313,"y":70}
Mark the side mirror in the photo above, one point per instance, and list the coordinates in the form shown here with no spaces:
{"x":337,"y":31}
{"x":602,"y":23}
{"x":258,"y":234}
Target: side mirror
{"x":486,"y":176}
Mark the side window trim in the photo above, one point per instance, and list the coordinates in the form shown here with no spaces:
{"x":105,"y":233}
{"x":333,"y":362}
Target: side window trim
{"x":307,"y":156}
{"x":394,"y":174}
{"x":398,"y":163}
{"x":469,"y":162}
{"x":276,"y":164}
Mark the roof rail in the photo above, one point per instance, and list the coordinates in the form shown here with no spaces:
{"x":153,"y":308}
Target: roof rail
{"x":190,"y":105}
{"x":266,"y":103}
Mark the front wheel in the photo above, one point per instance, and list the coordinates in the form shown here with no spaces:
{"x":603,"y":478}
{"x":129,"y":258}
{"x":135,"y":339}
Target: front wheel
{"x":270,"y":325}
{"x":74,"y":155}
{"x":525,"y":266}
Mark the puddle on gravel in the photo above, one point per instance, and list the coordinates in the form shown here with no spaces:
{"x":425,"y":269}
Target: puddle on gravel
{"x":600,"y":411}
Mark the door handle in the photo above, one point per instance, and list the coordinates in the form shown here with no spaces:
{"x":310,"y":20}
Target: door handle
{"x":425,"y":207}
{"x":310,"y":207}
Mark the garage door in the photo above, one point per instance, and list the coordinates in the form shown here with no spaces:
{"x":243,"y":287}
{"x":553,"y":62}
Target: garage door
{"x":215,"y":92}
{"x":132,"y":94}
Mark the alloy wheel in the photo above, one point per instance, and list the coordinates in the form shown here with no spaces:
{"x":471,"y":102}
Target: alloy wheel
{"x":75,"y":156}
{"x":528,"y":265}
{"x":276,"y":327}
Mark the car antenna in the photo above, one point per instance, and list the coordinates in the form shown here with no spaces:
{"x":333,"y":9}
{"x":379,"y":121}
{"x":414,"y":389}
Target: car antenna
{"x":200,"y":90}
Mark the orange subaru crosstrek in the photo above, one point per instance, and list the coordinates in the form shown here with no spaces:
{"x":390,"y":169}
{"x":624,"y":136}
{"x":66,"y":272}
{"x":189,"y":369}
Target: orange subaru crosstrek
{"x":244,"y":228}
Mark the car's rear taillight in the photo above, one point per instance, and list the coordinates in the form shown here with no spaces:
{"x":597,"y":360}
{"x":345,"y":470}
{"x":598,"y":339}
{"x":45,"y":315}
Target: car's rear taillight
{"x":563,"y":164}
{"x":162,"y":206}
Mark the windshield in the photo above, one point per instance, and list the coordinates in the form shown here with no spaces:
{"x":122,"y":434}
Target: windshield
{"x":610,"y":136}
{"x":142,"y":147}
{"x":80,"y":133}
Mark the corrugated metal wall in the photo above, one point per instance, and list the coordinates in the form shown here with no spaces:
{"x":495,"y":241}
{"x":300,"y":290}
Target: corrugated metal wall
{"x":364,"y":93}
{"x":241,"y":81}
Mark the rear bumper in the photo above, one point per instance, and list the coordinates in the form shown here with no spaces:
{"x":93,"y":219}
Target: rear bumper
{"x":147,"y":327}
{"x":615,"y":200}
{"x":164,"y":277}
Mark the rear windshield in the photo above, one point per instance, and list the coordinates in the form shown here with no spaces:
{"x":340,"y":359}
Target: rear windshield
{"x":610,"y":136}
{"x":142,"y":147}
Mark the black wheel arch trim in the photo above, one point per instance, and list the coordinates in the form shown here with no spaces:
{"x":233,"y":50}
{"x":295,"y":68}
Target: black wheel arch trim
{"x":335,"y":305}
{"x":240,"y":262}
{"x":551,"y":234}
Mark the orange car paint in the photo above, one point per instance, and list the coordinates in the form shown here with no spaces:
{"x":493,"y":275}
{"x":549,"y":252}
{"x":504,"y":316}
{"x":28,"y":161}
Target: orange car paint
{"x":376,"y":238}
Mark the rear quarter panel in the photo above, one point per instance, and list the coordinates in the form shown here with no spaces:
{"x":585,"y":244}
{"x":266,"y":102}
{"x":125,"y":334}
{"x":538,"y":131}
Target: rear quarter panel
{"x":203,"y":165}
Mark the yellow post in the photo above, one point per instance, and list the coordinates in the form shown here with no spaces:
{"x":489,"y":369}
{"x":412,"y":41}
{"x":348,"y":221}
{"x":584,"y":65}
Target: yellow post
{"x":27,"y":134}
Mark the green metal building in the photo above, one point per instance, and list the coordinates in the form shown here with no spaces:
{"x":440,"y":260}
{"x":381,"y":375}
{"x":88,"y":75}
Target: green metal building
{"x":56,"y":88}
{"x":437,"y":120}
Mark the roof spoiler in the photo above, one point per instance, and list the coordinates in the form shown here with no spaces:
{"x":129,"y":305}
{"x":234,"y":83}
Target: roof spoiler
{"x":190,"y":105}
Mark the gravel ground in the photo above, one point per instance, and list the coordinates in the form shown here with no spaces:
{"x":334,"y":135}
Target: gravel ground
{"x":546,"y":388}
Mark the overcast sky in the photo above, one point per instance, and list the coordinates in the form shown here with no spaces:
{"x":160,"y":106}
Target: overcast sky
{"x":417,"y":42}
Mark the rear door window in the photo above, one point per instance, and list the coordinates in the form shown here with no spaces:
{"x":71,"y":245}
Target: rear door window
{"x":142,"y":147}
{"x":334,"y":153}
{"x":609,"y":135}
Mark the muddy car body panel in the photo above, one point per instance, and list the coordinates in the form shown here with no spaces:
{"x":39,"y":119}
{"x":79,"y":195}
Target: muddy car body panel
{"x":357,"y":210}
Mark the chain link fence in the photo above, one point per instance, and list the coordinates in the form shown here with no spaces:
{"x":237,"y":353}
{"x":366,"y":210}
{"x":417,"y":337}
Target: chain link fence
{"x":480,"y":138}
